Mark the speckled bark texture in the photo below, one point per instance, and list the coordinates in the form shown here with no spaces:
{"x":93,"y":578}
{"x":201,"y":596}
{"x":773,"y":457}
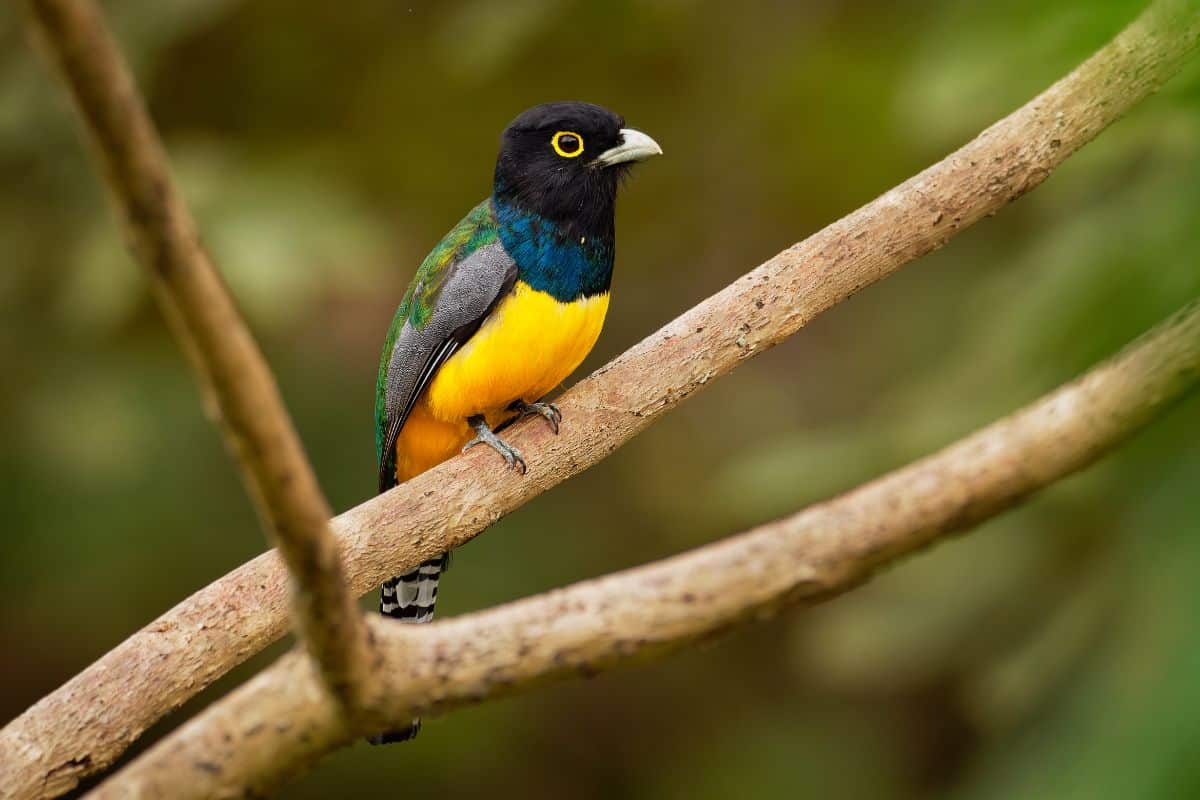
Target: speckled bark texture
{"x":85,"y":725}
{"x":282,"y":721}
{"x":240,"y":391}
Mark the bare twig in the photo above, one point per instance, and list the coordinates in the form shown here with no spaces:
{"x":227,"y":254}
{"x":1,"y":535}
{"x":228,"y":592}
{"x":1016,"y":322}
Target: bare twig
{"x":241,"y":391}
{"x":236,"y":746}
{"x":82,"y":727}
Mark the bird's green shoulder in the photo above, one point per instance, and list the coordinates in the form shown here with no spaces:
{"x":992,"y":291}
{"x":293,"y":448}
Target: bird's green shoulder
{"x":477,"y":229}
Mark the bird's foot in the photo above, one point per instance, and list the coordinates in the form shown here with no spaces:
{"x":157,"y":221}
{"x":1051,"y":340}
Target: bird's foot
{"x":485,"y":435}
{"x":547,"y":411}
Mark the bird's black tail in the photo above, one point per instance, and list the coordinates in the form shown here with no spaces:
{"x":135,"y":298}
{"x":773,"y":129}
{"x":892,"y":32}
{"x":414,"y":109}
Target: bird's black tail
{"x":411,"y":597}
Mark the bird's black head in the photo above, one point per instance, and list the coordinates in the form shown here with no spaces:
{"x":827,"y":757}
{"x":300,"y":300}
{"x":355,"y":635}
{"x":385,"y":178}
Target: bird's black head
{"x":564,"y":161}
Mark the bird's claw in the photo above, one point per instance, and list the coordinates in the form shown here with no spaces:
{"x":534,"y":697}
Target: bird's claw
{"x":547,"y":411}
{"x":485,"y":435}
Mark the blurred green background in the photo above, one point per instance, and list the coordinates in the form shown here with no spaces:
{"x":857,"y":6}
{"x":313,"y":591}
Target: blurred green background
{"x":324,"y":147}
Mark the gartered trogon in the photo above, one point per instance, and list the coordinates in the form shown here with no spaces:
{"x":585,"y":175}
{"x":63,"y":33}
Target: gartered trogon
{"x":505,"y":307}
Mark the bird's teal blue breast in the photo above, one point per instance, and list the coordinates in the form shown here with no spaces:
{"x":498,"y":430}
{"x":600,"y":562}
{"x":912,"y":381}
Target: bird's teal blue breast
{"x":548,"y":260}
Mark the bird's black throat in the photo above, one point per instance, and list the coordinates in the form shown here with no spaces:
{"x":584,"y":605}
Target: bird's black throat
{"x":582,"y":208}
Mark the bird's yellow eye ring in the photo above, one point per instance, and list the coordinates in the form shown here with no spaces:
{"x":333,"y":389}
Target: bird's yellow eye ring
{"x":567,"y":144}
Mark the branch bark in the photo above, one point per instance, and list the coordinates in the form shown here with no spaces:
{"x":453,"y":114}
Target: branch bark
{"x":240,"y":390}
{"x":239,"y":747}
{"x":82,"y":727}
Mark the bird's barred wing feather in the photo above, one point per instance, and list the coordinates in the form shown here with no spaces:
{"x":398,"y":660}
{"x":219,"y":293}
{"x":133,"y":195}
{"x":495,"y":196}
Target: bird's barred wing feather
{"x":454,"y":290}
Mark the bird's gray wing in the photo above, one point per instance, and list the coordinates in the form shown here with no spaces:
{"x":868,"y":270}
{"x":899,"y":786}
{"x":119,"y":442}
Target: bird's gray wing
{"x":467,"y":295}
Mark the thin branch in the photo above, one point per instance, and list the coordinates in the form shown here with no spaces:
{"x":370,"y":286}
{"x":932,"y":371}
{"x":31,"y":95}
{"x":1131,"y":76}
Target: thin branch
{"x":82,"y":727}
{"x":238,"y":746}
{"x":240,"y":389}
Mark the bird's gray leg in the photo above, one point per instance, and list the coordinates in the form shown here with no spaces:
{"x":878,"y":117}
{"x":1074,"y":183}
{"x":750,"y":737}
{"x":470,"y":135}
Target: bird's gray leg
{"x":547,"y":411}
{"x":485,"y":435}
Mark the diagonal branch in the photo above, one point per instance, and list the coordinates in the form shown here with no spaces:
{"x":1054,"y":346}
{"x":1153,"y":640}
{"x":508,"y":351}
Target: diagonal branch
{"x":654,"y":609}
{"x":82,"y":727}
{"x":240,"y":389}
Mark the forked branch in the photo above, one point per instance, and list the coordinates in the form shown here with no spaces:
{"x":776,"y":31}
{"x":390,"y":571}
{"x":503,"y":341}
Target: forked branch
{"x":82,"y":727}
{"x":654,"y":609}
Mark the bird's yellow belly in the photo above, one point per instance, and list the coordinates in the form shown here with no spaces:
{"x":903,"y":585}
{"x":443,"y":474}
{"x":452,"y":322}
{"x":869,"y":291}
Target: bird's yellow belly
{"x":529,"y":345}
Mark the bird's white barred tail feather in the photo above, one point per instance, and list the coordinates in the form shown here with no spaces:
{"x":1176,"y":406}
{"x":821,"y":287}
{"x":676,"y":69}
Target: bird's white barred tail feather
{"x":411,"y":598}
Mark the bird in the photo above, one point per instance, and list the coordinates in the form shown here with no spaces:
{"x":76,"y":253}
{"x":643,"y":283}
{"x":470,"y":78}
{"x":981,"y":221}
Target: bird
{"x":501,"y":311}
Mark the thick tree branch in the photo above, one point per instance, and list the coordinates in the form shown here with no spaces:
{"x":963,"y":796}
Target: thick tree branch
{"x":85,"y":725}
{"x":238,"y":746}
{"x":240,"y":389}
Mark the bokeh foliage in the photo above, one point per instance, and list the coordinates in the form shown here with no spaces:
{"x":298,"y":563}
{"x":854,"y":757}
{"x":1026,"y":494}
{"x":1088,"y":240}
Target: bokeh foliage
{"x":326,"y":147}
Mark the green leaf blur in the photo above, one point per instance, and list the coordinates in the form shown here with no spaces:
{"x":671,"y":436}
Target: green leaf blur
{"x":326,"y":147}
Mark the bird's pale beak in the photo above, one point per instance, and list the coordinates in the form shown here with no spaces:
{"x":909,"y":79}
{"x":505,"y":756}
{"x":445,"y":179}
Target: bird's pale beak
{"x":634,"y":146}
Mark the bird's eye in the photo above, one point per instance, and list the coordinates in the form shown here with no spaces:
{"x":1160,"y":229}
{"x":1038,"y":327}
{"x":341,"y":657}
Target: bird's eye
{"x":567,"y":144}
